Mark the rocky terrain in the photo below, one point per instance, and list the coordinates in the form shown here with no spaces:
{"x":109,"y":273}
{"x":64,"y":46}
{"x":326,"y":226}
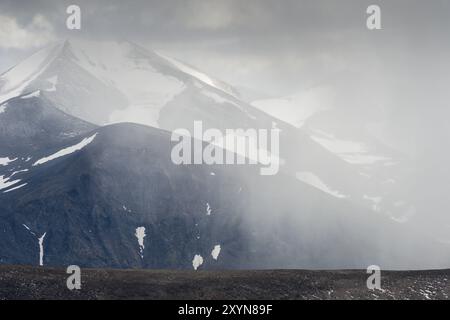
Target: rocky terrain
{"x":20,"y":282}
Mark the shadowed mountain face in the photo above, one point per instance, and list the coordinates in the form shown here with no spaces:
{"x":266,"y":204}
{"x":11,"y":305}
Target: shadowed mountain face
{"x":30,"y":123}
{"x":111,"y":197}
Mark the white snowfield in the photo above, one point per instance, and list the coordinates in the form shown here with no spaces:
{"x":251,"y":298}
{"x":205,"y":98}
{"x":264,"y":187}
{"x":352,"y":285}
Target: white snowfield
{"x":349,"y":151}
{"x":297,"y":108}
{"x":147,"y":80}
{"x":3,"y":108}
{"x":124,"y":67}
{"x":313,"y":180}
{"x":66,"y":151}
{"x":16,"y":80}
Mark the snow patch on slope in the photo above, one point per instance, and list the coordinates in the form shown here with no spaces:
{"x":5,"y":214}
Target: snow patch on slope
{"x":222,"y":100}
{"x":17,"y":79}
{"x":246,"y":146}
{"x":197,"y":262}
{"x":349,"y":151}
{"x":120,"y":66}
{"x":297,"y":108}
{"x":6,"y":161}
{"x":40,"y":243}
{"x":15,"y":188}
{"x":216,"y":251}
{"x":217,"y":98}
{"x":53,"y":81}
{"x":34,"y":94}
{"x":208,"y":209}
{"x":5,"y":183}
{"x":41,"y":249}
{"x":198,"y":75}
{"x":28,"y":228}
{"x":140,"y":235}
{"x":18,"y":171}
{"x":313,"y":180}
{"x":66,"y":151}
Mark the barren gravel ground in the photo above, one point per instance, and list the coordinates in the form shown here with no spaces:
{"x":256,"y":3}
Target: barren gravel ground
{"x":20,"y":282}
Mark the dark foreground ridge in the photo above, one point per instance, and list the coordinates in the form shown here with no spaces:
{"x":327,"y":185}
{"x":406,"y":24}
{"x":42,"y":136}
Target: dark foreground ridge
{"x":20,"y":282}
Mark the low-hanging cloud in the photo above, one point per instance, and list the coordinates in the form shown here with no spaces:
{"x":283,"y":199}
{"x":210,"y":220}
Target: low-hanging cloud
{"x":37,"y":33}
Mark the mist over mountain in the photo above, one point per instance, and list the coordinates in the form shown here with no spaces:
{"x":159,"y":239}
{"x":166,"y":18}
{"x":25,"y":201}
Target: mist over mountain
{"x":86,"y":176}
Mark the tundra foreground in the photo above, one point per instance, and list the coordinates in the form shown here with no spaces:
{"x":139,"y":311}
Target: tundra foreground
{"x":21,"y":282}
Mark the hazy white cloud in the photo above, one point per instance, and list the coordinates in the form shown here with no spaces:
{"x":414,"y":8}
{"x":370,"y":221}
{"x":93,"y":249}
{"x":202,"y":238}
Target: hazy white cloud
{"x":209,"y":15}
{"x":37,"y":33}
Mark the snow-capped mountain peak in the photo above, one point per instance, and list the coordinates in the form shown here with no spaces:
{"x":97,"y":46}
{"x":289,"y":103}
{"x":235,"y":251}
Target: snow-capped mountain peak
{"x":16,"y":80}
{"x":107,"y":82}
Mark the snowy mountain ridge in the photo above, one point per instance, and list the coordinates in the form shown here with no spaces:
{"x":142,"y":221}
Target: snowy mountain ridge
{"x":144,"y":80}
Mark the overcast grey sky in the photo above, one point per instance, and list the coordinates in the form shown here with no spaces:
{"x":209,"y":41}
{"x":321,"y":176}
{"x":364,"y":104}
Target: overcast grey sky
{"x":276,"y":47}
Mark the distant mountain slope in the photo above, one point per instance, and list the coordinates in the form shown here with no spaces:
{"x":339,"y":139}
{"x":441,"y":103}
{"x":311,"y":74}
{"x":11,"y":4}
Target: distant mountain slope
{"x":29,"y":127}
{"x":385,"y":174}
{"x":113,"y":198}
{"x":30,"y":123}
